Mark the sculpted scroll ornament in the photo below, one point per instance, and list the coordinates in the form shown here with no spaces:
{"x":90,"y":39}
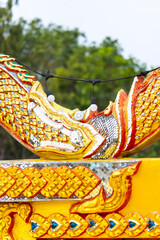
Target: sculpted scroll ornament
{"x":49,"y":181}
{"x":57,"y":225}
{"x":7,"y":212}
{"x":74,"y":225}
{"x":121,"y":184}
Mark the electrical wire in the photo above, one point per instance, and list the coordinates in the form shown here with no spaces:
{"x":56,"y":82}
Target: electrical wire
{"x":92,"y":81}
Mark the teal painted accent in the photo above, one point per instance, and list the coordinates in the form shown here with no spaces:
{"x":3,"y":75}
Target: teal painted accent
{"x":92,"y":223}
{"x":151,"y":224}
{"x":34,"y":225}
{"x":112,"y":224}
{"x":54,"y":225}
{"x":15,"y":63}
{"x":132,"y":224}
{"x":73,"y":225}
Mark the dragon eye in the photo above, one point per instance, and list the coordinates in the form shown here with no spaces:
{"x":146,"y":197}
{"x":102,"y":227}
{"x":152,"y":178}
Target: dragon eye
{"x":34,"y":226}
{"x":55,"y":225}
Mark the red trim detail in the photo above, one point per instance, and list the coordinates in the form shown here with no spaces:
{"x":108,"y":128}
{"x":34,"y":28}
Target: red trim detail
{"x":132,"y":113}
{"x":120,"y":101}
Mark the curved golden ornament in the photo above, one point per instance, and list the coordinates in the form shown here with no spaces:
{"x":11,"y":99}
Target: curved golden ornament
{"x":57,"y":225}
{"x":42,"y":225}
{"x":37,"y":182}
{"x":7,"y":181}
{"x":60,"y":227}
{"x":55,"y":182}
{"x":7,"y":226}
{"x":120,"y":181}
{"x":137,"y":224}
{"x":24,"y":210}
{"x":97,"y":225}
{"x":62,"y":181}
{"x":7,"y":211}
{"x":89,"y":181}
{"x":117,"y":224}
{"x":153,"y":229}
{"x":80,"y":225}
{"x":21,"y":183}
{"x":72,"y":182}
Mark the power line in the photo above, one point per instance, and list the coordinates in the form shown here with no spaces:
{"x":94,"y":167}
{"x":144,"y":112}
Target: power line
{"x":92,"y":81}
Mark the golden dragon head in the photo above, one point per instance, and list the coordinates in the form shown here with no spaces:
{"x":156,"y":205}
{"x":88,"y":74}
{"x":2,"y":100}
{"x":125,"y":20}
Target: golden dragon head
{"x":51,"y":131}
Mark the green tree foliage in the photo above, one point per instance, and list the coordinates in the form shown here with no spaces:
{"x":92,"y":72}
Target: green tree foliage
{"x":66,"y":53}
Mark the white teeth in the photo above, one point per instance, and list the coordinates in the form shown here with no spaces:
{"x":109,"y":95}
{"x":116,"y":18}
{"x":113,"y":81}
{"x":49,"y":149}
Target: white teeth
{"x":57,"y":145}
{"x":31,"y":105}
{"x":41,"y":114}
{"x":76,"y":138}
{"x":65,"y":131}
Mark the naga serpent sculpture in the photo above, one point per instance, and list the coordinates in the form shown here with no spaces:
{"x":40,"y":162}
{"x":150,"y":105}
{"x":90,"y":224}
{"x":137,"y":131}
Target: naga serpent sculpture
{"x":51,"y":131}
{"x":81,"y":162}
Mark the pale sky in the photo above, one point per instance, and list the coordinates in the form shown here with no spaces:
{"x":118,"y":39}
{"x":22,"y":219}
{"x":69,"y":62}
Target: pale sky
{"x":135,"y":23}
